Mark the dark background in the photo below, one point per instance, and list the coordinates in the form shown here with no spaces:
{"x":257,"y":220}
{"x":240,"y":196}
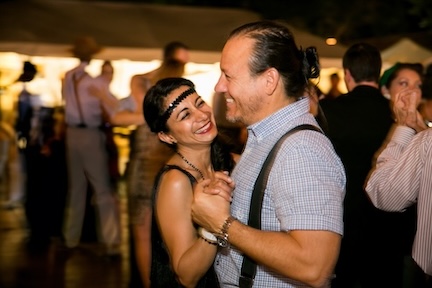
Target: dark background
{"x":380,"y":21}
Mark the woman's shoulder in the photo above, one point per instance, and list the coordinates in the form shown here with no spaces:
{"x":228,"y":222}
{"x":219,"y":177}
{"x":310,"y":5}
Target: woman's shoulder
{"x":176,"y":174}
{"x":174,"y":189}
{"x":141,"y":78}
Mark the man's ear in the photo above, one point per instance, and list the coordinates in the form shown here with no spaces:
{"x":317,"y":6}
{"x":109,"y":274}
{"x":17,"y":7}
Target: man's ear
{"x":271,"y":76}
{"x":347,"y":75}
{"x":166,"y":138}
{"x":349,"y":80}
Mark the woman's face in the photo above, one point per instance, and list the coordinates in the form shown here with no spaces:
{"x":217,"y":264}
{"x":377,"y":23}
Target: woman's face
{"x":405,"y":79}
{"x":192,"y":122}
{"x":107,"y":72}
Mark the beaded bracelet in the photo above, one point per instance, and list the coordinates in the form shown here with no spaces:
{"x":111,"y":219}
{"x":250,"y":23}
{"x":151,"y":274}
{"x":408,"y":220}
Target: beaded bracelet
{"x":207,"y":236}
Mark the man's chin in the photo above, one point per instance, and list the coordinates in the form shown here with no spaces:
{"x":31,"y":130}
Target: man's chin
{"x":233,"y":119}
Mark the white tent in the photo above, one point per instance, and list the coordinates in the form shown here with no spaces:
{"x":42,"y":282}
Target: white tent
{"x":405,"y":50}
{"x":132,"y":36}
{"x":131,"y":31}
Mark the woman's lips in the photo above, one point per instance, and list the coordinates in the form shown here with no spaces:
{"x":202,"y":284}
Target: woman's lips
{"x":204,"y":129}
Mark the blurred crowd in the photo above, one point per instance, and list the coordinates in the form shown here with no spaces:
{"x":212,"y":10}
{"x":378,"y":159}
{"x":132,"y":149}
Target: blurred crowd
{"x":55,"y":161}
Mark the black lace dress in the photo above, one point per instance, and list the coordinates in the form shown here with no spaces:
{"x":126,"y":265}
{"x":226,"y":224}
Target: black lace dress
{"x":161,"y":273}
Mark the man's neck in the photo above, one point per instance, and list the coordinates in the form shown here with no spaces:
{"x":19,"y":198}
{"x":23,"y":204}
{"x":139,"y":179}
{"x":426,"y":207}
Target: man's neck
{"x":365,"y":83}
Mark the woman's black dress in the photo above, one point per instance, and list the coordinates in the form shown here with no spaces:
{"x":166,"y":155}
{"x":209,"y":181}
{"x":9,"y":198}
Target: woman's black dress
{"x":161,"y":273}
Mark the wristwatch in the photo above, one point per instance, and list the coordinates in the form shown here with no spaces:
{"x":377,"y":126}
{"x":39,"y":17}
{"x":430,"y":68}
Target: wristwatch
{"x":222,"y":237}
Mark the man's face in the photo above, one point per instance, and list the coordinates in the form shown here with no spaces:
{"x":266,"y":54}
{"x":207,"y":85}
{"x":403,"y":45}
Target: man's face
{"x":107,"y":72}
{"x":241,"y":90}
{"x":182,"y":55}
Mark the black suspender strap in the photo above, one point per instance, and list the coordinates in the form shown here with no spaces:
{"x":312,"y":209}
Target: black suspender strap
{"x":248,"y":269}
{"x":77,"y":98}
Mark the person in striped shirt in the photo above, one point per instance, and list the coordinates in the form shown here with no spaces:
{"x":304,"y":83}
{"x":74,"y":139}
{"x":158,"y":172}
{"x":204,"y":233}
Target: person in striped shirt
{"x":402,"y":176}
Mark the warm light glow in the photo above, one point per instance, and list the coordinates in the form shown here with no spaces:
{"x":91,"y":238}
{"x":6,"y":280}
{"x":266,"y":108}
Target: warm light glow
{"x":331,"y":41}
{"x":47,"y":83}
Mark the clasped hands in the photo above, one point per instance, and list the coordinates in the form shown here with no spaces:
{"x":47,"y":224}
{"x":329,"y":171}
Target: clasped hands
{"x":212,"y":199}
{"x":405,"y":109}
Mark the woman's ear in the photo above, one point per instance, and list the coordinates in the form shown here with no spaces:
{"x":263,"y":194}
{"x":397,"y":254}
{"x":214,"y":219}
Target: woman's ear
{"x":167,"y":138}
{"x":385,"y":92}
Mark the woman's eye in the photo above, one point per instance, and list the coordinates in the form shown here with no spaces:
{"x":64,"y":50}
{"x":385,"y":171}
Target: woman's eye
{"x":404,"y":83}
{"x":183,"y":116}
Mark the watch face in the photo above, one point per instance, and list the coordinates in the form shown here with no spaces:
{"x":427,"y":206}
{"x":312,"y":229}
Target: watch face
{"x":222,"y":242}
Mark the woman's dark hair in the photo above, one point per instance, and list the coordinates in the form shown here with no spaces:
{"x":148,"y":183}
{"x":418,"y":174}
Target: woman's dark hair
{"x":154,"y":107}
{"x":427,"y":83}
{"x":390,"y":74}
{"x":221,"y":157}
{"x":154,"y":101}
{"x":275,"y":47}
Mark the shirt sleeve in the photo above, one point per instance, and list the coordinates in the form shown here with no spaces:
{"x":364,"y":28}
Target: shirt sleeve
{"x":108,"y":107}
{"x":128,"y":104}
{"x":309,"y":193}
{"x":393,"y":184}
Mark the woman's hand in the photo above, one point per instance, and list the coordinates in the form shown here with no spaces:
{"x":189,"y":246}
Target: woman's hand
{"x":405,"y":109}
{"x":222,"y":184}
{"x":211,"y":204}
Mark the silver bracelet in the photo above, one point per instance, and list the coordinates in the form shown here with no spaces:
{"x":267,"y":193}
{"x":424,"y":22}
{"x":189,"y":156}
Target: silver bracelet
{"x":222,"y":237}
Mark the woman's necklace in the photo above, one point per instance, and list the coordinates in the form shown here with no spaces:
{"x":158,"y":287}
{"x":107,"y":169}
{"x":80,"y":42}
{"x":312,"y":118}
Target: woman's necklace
{"x":191,"y":165}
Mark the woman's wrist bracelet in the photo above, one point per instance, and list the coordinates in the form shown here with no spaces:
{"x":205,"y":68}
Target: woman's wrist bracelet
{"x":207,"y":236}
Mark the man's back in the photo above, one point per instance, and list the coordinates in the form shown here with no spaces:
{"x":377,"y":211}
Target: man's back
{"x":358,"y":123}
{"x":80,"y":106}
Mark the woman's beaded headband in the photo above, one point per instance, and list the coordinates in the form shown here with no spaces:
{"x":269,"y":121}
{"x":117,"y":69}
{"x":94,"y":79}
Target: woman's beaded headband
{"x":174,"y":104}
